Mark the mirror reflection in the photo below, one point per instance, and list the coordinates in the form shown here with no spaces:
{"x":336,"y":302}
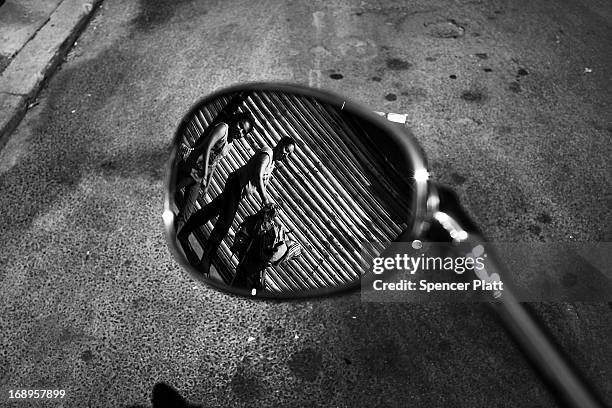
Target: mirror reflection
{"x":279,"y":192}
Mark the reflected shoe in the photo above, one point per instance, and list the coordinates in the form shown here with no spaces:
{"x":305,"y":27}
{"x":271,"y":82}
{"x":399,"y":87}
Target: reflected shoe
{"x":204,"y":264}
{"x":191,"y":256}
{"x":183,"y":239}
{"x":209,"y":250}
{"x":178,"y":221}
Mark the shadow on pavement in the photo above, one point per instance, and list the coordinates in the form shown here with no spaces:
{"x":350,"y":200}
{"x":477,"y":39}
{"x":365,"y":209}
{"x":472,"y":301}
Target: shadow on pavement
{"x":164,"y":396}
{"x":78,"y":134}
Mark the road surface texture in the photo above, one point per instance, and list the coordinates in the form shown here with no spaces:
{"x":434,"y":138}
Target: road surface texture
{"x":510,"y":100}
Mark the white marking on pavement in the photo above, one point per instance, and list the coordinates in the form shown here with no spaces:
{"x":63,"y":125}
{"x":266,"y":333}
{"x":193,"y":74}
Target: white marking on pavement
{"x":397,"y":117}
{"x":394,"y":117}
{"x":314,"y":76}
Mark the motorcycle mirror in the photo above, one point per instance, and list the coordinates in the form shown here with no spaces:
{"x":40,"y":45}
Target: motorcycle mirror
{"x":273,"y":190}
{"x":279,"y":191}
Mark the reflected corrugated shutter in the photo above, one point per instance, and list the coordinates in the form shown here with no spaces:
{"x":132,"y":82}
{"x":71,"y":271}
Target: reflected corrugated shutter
{"x":325,"y":191}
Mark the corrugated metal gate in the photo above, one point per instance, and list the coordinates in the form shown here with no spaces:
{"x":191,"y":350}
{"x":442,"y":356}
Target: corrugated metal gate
{"x":333,"y":191}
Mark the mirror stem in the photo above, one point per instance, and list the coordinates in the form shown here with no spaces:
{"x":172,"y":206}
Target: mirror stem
{"x":534,"y":342}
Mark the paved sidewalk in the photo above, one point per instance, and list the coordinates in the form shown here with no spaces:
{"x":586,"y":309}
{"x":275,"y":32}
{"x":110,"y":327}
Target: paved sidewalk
{"x":35,"y":35}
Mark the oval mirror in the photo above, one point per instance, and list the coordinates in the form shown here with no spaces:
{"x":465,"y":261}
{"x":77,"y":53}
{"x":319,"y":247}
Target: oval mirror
{"x":275,"y":190}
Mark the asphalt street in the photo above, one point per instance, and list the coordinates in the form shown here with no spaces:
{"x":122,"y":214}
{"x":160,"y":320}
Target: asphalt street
{"x":510,"y":100}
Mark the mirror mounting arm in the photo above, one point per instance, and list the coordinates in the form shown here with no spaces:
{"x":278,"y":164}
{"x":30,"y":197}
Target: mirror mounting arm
{"x":449,"y":222}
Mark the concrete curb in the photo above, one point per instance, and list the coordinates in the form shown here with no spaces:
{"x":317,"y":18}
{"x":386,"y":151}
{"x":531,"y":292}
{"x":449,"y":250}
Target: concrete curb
{"x":38,"y":59}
